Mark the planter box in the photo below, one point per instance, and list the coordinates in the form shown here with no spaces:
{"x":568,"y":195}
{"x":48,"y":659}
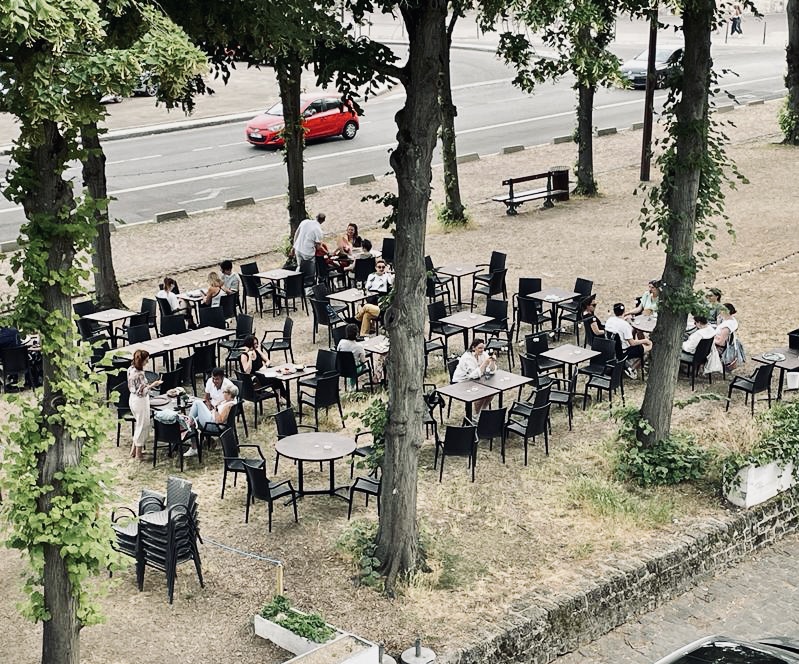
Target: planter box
{"x":756,"y":484}
{"x":342,"y":648}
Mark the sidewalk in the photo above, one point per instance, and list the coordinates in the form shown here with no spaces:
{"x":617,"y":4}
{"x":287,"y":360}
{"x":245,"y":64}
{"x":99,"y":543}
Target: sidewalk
{"x":250,"y":90}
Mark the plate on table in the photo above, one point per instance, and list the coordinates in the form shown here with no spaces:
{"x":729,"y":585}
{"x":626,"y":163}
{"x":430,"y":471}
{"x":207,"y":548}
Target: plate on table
{"x":551,"y":298}
{"x":773,"y":357}
{"x":269,"y":373}
{"x":160,"y":400}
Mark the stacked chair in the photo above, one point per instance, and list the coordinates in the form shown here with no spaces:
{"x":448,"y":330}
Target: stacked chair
{"x":163,"y":534}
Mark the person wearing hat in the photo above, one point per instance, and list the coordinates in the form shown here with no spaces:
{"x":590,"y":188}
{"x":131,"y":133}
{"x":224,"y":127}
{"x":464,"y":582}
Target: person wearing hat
{"x":713,"y":304}
{"x":648,"y":304}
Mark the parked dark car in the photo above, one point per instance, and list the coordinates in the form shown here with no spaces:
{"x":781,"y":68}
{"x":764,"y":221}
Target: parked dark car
{"x":727,"y":650}
{"x":666,"y":59}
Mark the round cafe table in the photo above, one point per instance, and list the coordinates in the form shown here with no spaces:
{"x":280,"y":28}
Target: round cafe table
{"x":316,"y":446}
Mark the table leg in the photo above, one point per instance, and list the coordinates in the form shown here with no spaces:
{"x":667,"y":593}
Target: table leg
{"x":555,"y":316}
{"x":332,"y":478}
{"x":468,"y":408}
{"x":779,"y":387}
{"x":300,"y":483}
{"x":460,"y":296}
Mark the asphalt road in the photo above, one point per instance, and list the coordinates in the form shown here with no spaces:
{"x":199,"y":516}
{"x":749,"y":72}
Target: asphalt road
{"x":197,"y":169}
{"x":755,"y":599}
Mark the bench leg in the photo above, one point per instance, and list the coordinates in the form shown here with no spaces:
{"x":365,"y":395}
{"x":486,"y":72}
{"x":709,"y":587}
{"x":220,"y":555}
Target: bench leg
{"x":511,"y":209}
{"x":548,"y":203}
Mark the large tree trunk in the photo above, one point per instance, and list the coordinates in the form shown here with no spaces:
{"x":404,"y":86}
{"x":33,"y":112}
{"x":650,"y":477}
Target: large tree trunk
{"x":46,"y":206}
{"x":585,"y":141}
{"x":289,"y":72}
{"x":398,"y":534}
{"x":449,"y":152}
{"x":105,"y":279}
{"x":792,"y":77}
{"x":691,"y":115}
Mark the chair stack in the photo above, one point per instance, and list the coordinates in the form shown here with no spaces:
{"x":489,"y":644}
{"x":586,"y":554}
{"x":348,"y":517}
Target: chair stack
{"x":165,"y":535}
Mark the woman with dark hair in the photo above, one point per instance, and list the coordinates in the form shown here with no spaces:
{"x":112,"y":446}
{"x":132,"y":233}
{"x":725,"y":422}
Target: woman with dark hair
{"x":727,"y":326}
{"x":649,"y":301}
{"x":253,"y":359}
{"x":349,"y":240}
{"x":139,"y":401}
{"x":474,"y":364}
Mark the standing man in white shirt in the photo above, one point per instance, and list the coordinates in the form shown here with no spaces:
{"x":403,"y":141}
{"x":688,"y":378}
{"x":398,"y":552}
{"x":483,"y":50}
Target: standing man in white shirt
{"x":307,"y":240}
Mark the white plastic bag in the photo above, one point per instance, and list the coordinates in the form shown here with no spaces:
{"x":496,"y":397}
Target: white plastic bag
{"x":713,"y":363}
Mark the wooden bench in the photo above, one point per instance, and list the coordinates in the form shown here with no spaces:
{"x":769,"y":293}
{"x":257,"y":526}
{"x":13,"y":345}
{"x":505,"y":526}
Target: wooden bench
{"x":515,"y":198}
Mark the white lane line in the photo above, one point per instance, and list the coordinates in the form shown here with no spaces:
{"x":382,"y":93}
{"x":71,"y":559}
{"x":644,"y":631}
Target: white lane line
{"x":210,"y":147}
{"x":227,"y":145}
{"x":127,"y":161}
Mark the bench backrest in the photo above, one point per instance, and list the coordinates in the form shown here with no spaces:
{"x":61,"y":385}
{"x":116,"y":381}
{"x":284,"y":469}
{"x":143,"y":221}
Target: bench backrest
{"x":526,"y":178}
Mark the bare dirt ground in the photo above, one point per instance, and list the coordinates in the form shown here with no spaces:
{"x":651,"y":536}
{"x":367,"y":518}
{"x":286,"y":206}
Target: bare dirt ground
{"x":517,"y":529}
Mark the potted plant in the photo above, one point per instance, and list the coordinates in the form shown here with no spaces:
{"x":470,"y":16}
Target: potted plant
{"x":771,"y":465}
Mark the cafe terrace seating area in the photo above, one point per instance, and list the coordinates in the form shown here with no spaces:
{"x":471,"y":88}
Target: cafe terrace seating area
{"x":282,"y":452}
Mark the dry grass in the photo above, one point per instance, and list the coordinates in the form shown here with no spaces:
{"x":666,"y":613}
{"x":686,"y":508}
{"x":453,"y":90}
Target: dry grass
{"x":544,"y":527}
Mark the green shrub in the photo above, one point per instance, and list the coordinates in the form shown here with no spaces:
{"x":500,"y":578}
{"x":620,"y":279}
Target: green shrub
{"x":670,"y":461}
{"x":308,"y":625}
{"x":445,"y":218}
{"x":358,"y":542}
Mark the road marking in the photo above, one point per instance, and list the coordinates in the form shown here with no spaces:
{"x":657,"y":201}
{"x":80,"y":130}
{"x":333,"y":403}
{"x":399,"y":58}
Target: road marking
{"x":209,"y":194}
{"x":126,"y":161}
{"x":210,"y":147}
{"x":227,"y":145}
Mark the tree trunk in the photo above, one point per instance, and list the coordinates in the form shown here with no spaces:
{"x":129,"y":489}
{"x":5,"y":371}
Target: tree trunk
{"x":47,"y":205}
{"x":792,"y":77}
{"x":691,"y":131}
{"x":449,"y":152}
{"x":105,"y":279}
{"x":289,"y":71}
{"x":586,"y":185}
{"x":417,"y":125}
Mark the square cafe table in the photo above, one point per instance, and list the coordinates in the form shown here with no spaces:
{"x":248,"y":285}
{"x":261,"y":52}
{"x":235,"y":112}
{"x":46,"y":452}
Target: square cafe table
{"x":789,"y":363}
{"x":570,"y":355}
{"x":278,"y":274}
{"x":378,"y":345}
{"x":644,"y":323}
{"x":169,"y":344}
{"x":554,"y":296}
{"x":466,"y":320}
{"x":351,"y":297}
{"x":468,"y":392}
{"x":458,"y":271}
{"x":503,"y":381}
{"x":285,"y":373}
{"x":109,"y":317}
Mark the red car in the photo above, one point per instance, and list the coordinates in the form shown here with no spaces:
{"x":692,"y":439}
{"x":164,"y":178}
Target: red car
{"x":322,"y":115}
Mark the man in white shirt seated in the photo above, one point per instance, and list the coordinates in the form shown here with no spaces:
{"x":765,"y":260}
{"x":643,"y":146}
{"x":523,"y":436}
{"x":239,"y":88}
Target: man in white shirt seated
{"x":230,"y":281}
{"x":634,"y":349}
{"x":379,"y":281}
{"x":215,"y":387}
{"x":702,"y":331}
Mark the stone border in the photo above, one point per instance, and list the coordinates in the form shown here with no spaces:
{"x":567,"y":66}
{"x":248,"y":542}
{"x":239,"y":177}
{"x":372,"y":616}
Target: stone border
{"x":539,"y":627}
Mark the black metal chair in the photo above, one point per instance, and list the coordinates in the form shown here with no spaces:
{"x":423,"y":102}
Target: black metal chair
{"x":245,"y":324}
{"x":609,"y":382}
{"x":535,"y":424}
{"x":325,"y":366}
{"x":281,"y":342}
{"x":698,"y":360}
{"x":571,"y":310}
{"x":170,"y":435}
{"x":536,"y":345}
{"x":387,"y":250}
{"x":172,"y":379}
{"x":203,"y":362}
{"x":362,"y":268}
{"x":293,"y":288}
{"x":569,"y":314}
{"x":249,"y":268}
{"x":150,"y":307}
{"x":495,"y":263}
{"x":260,"y":488}
{"x":498,"y":311}
{"x":602,"y":364}
{"x":14,"y":361}
{"x":174,"y":324}
{"x":256,"y":395}
{"x":759,"y":381}
{"x":212,"y":430}
{"x":564,"y":395}
{"x":350,"y":370}
{"x":368,"y":486}
{"x":529,"y":311}
{"x":234,"y":462}
{"x":138,"y":333}
{"x":435,"y":312}
{"x":458,"y":441}
{"x":323,"y":316}
{"x":495,"y":286}
{"x":119,"y":385}
{"x":253,"y":289}
{"x":286,"y":425}
{"x":324,"y":396}
{"x":440,"y":279}
{"x":491,"y":424}
{"x":212,"y":317}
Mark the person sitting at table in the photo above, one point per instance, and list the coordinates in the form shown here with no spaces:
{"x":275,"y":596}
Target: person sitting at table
{"x":726,"y":327}
{"x":377,"y":282}
{"x":473,"y":365}
{"x":713,"y":304}
{"x":589,"y":316}
{"x":366,"y":252}
{"x":176,"y":305}
{"x":348,"y":241}
{"x":350,"y":344}
{"x":634,"y":349}
{"x":702,"y":331}
{"x":230,"y":281}
{"x":252,"y":360}
{"x":213,"y":295}
{"x":201,"y":415}
{"x":214,"y":386}
{"x":648,"y":304}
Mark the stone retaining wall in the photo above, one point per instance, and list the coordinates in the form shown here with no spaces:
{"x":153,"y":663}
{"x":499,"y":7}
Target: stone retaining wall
{"x":539,"y":628}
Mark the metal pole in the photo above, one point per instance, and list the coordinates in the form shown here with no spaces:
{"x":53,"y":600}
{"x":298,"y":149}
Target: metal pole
{"x":649,"y":99}
{"x":764,"y":32}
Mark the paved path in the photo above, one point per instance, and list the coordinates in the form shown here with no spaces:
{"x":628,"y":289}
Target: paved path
{"x":759,"y":597}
